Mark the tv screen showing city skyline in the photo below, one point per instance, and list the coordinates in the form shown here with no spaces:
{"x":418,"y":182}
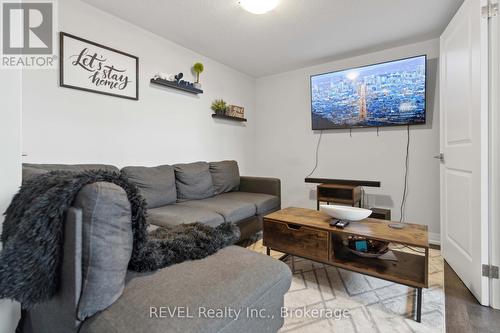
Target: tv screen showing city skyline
{"x":386,"y":94}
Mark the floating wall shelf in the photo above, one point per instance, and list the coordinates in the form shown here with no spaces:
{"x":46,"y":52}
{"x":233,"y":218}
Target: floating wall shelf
{"x":221,"y":116}
{"x":175,"y":85}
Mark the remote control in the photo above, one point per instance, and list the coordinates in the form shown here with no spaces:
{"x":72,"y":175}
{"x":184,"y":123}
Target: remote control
{"x":339,"y":223}
{"x":342,"y":224}
{"x":333,"y":222}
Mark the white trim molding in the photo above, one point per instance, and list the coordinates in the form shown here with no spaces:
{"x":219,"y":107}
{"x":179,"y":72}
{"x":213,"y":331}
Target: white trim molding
{"x":434,"y":238}
{"x":494,"y":154}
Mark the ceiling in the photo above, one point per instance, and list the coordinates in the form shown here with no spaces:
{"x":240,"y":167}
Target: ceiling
{"x":295,"y":34}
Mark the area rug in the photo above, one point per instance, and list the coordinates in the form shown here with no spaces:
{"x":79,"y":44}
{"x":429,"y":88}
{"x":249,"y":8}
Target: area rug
{"x":373,"y":305}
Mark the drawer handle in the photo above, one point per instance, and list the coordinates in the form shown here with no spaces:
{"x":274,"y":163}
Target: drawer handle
{"x":293,"y":226}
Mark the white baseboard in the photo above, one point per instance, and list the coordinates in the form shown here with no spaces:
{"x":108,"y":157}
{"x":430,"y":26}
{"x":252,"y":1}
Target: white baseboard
{"x":434,"y":239}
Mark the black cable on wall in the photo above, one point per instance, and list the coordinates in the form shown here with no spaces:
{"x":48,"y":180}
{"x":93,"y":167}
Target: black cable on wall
{"x":407,"y":161}
{"x":317,"y":154}
{"x":405,"y":188}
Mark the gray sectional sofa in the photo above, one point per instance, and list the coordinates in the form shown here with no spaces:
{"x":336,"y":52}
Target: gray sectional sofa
{"x":98,"y":295}
{"x":204,"y":192}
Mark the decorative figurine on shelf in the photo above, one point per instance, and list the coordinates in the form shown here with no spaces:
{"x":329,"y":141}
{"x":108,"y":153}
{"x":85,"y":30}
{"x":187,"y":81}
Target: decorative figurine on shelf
{"x":219,"y":106}
{"x":198,"y":69}
{"x":175,"y":78}
{"x":236,"y":111}
{"x":164,"y":76}
{"x":185,"y":83}
{"x":161,"y":76}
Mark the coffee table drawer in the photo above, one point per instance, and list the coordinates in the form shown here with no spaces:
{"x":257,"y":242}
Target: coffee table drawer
{"x":296,"y":239}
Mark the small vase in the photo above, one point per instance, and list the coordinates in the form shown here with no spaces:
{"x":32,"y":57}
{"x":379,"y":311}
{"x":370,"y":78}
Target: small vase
{"x":197,"y":85}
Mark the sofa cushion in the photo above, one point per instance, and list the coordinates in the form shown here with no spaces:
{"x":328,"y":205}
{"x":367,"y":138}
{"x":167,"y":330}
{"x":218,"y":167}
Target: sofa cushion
{"x":225,"y":176}
{"x":231,"y":210}
{"x":234,"y":278}
{"x":72,"y":167}
{"x":172,"y":215}
{"x":193,"y":181}
{"x":106,"y":245}
{"x":263,"y":202}
{"x":156,"y":184}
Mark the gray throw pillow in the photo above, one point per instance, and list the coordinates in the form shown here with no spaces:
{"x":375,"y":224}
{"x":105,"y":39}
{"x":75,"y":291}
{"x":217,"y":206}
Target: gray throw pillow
{"x":106,"y":245}
{"x":156,"y":184}
{"x":225,"y":176}
{"x":193,"y":181}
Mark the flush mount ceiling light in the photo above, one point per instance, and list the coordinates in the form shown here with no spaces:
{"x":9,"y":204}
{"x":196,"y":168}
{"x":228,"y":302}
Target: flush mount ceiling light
{"x":258,"y":6}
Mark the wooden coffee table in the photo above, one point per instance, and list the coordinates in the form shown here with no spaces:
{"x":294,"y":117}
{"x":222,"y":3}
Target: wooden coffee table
{"x":306,"y":233}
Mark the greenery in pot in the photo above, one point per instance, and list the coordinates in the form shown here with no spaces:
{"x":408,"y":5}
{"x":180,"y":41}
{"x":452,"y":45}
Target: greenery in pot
{"x":219,"y":106}
{"x":198,"y":69}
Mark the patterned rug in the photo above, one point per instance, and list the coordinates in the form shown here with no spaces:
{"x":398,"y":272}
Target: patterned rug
{"x":373,"y":305}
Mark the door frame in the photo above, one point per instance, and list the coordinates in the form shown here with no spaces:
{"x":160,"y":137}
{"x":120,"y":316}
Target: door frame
{"x":494,"y":153}
{"x":485,"y":153}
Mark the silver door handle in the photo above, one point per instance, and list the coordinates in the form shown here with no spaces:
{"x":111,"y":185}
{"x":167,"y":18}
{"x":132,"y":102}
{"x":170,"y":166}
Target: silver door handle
{"x":440,"y":157}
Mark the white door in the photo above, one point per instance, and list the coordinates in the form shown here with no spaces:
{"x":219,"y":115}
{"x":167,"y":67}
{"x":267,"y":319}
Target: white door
{"x":464,"y":144}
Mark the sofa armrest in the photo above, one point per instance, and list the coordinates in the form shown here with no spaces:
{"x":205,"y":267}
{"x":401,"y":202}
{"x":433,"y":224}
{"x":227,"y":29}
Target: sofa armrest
{"x":59,"y":313}
{"x":263,"y":185}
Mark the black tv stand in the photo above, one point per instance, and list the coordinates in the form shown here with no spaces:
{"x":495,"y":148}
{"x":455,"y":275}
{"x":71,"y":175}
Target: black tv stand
{"x":353,"y":182}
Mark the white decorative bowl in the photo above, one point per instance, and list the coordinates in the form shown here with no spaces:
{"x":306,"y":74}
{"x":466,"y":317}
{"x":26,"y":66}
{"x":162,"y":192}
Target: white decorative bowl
{"x":345,"y":212}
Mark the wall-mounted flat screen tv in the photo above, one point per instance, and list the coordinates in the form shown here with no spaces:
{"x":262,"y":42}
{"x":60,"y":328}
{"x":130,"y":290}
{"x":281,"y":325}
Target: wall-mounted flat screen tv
{"x":387,"y":94}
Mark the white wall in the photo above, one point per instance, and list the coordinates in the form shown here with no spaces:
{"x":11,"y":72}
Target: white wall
{"x":10,"y":169}
{"x":285,"y":143}
{"x":164,"y":126}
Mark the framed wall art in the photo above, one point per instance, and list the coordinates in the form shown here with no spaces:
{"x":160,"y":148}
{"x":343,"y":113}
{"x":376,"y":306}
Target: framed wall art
{"x":89,"y":66}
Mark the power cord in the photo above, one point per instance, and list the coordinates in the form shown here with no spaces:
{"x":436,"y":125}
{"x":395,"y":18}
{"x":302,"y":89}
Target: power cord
{"x":405,"y":189}
{"x":317,"y":154}
{"x":364,"y":199}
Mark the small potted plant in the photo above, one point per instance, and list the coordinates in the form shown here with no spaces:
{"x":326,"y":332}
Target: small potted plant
{"x":219,"y":106}
{"x":197,"y":69}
